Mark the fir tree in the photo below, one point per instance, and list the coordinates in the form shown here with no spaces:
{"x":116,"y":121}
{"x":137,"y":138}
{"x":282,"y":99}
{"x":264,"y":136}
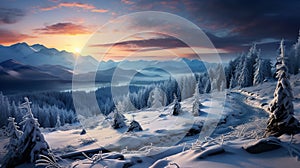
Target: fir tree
{"x":31,"y":144}
{"x":281,"y":107}
{"x":297,"y":55}
{"x":267,"y":73}
{"x":118,"y":120}
{"x":58,"y":123}
{"x":196,"y":103}
{"x":156,"y":98}
{"x":177,"y":106}
{"x":14,"y":134}
{"x":259,"y":71}
{"x":244,"y":78}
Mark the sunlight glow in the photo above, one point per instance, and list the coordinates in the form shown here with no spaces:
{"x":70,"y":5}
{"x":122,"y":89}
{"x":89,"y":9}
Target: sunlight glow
{"x":77,"y":50}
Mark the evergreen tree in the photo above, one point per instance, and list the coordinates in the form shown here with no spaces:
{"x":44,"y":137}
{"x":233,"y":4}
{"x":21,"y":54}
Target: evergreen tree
{"x":31,"y":144}
{"x":267,"y":66}
{"x":58,"y":123}
{"x":233,"y":82}
{"x":196,"y":103}
{"x":297,"y":55}
{"x":118,"y":120}
{"x":12,"y":147}
{"x":4,"y":109}
{"x":244,"y":79}
{"x":155,"y":98}
{"x":177,"y":106}
{"x":251,"y":59}
{"x":259,"y":71}
{"x":238,"y":71}
{"x":281,"y":107}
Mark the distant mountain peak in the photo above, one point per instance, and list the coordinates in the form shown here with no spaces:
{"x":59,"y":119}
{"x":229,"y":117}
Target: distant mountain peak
{"x":20,"y":44}
{"x":10,"y":63}
{"x":38,"y":47}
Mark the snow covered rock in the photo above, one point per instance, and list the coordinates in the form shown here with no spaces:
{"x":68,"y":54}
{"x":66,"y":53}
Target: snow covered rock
{"x":194,"y":130}
{"x":263,"y":145}
{"x":134,"y":126}
{"x":210,"y":151}
{"x":83,"y":132}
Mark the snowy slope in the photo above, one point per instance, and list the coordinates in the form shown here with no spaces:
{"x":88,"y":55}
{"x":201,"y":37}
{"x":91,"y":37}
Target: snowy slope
{"x":162,"y":143}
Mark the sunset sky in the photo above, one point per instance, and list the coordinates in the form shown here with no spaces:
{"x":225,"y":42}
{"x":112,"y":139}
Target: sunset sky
{"x":231,"y":25}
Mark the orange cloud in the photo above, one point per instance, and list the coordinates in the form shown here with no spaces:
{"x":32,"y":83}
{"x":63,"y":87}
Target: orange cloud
{"x":10,"y":37}
{"x":127,"y":2}
{"x":75,"y":4}
{"x":100,"y":10}
{"x":85,"y":6}
{"x":64,"y":28}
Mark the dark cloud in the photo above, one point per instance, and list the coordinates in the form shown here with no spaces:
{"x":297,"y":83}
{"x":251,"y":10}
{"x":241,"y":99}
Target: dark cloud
{"x":261,"y":19}
{"x":8,"y":37}
{"x":10,"y":15}
{"x":234,"y":24}
{"x":158,"y":43}
{"x":63,"y":28}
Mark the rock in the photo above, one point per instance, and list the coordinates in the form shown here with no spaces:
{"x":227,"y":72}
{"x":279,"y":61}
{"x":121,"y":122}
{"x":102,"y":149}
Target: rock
{"x":263,"y":104}
{"x":194,"y":130}
{"x":134,"y":127}
{"x":263,"y":145}
{"x":83,"y":132}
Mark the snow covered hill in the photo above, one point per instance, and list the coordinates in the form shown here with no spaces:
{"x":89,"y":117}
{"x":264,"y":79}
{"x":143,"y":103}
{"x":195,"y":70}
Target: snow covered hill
{"x":164,"y":143}
{"x":167,"y":140}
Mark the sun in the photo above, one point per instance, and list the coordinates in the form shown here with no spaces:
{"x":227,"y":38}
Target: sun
{"x":77,"y":50}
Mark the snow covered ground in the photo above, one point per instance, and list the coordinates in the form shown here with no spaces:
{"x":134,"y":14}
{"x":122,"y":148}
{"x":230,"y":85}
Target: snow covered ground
{"x":239,"y":120}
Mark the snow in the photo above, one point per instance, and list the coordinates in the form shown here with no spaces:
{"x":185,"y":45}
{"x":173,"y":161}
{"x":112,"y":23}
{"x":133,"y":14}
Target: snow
{"x":163,"y":135}
{"x":162,"y":143}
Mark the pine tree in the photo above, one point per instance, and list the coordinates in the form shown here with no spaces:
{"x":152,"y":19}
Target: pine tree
{"x":238,"y":70}
{"x":14,"y":133}
{"x":281,"y":107}
{"x":155,"y":98}
{"x":118,"y":120}
{"x":58,"y":123}
{"x":177,"y":106}
{"x":4,"y":109}
{"x":244,"y":78}
{"x":259,"y":71}
{"x":267,"y":73}
{"x":31,"y":144}
{"x":251,"y":59}
{"x":196,"y":103}
{"x":297,"y":55}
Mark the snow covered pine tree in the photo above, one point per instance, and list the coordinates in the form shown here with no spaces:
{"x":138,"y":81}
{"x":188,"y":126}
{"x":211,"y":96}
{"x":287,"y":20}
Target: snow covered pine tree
{"x":281,"y":120}
{"x":118,"y":120}
{"x":31,"y":144}
{"x":156,"y":98}
{"x":196,"y":103}
{"x":14,"y":133}
{"x":177,"y":106}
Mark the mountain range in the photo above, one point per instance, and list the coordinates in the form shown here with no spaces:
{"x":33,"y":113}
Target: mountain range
{"x":37,"y":62}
